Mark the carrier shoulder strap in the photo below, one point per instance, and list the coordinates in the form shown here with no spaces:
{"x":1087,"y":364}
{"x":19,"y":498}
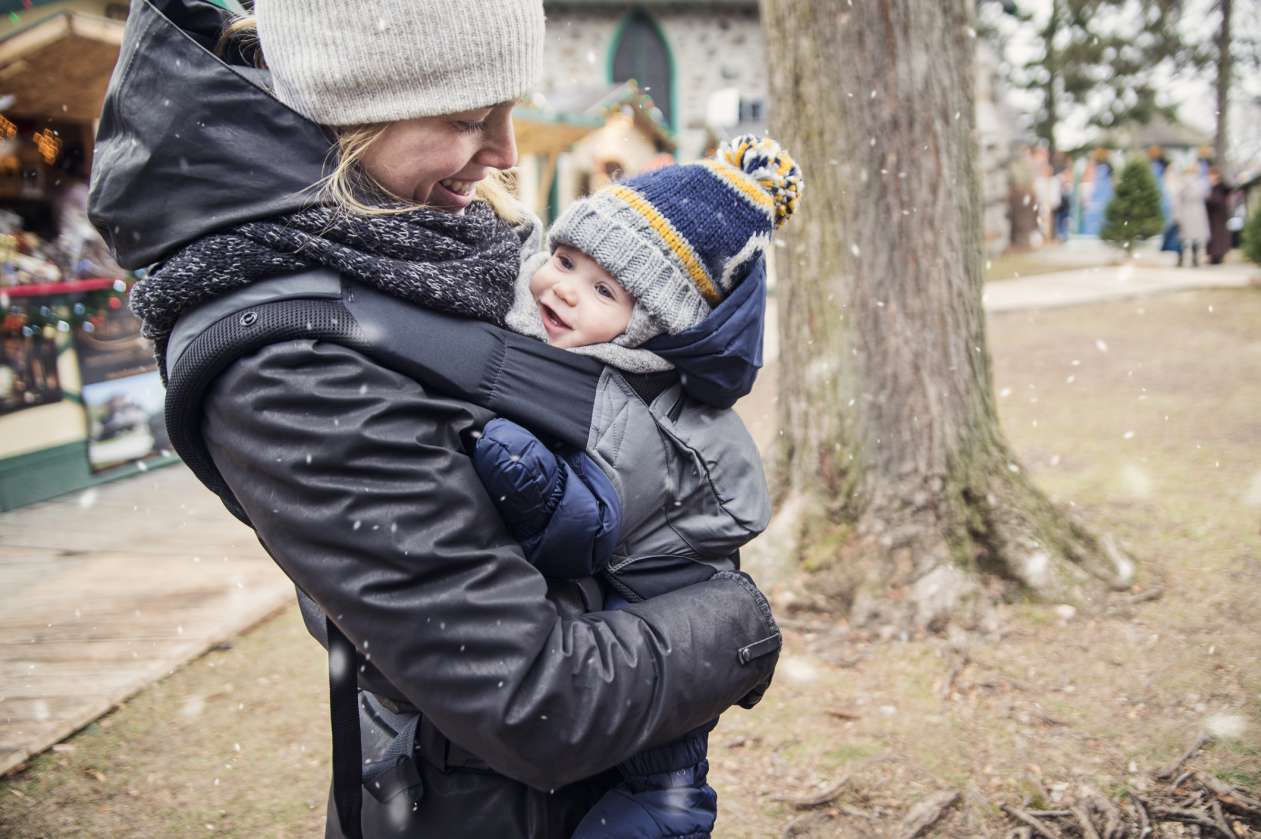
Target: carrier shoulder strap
{"x":549,"y":390}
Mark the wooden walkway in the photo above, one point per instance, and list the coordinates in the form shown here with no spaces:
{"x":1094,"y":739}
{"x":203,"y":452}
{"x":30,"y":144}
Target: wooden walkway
{"x":105,"y":591}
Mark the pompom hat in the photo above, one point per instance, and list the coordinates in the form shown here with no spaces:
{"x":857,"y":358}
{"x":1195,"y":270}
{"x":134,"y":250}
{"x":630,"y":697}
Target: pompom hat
{"x":679,"y":239}
{"x":375,"y":61}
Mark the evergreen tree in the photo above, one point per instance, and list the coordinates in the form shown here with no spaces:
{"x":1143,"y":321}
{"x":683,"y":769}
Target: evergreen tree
{"x":1252,"y":234}
{"x":1095,"y":54}
{"x":1133,"y":214}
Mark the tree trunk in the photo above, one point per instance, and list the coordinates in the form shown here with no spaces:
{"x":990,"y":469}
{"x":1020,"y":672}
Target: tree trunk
{"x":1224,"y":69}
{"x":886,"y":401}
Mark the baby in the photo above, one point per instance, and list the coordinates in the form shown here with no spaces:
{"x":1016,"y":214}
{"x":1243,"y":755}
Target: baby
{"x":652,"y":256}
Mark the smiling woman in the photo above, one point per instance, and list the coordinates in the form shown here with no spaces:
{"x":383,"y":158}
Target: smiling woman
{"x":485,"y":684}
{"x":439,"y":161}
{"x":443,"y":161}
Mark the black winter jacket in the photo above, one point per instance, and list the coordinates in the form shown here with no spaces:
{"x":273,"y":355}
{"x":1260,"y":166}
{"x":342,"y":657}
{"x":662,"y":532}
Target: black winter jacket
{"x":358,"y":484}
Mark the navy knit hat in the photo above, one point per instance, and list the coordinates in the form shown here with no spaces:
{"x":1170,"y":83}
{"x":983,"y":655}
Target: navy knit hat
{"x":679,"y":239}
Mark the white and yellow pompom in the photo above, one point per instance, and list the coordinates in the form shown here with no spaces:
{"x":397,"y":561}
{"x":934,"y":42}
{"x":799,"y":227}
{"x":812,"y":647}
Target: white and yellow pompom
{"x":766,"y":162}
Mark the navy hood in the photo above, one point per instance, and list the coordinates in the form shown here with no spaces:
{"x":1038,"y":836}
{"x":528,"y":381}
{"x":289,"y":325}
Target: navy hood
{"x":188,"y":143}
{"x":718,"y":359}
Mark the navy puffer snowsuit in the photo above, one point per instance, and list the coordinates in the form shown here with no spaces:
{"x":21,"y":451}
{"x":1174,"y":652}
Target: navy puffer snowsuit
{"x":567,"y":515}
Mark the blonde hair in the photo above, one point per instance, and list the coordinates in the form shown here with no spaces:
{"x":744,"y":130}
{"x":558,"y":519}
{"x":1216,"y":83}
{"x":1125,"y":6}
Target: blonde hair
{"x":348,"y":187}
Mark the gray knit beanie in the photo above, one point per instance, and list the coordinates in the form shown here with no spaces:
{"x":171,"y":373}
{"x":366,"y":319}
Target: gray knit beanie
{"x":339,"y":63}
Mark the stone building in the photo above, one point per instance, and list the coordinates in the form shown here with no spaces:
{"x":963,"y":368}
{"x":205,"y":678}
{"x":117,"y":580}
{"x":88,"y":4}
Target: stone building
{"x":702,"y":62}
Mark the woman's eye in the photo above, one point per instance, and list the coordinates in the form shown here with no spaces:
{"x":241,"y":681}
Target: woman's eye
{"x":468,"y":127}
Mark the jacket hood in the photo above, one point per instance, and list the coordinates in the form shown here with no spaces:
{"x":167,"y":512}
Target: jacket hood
{"x":718,"y":359}
{"x":189,"y":143}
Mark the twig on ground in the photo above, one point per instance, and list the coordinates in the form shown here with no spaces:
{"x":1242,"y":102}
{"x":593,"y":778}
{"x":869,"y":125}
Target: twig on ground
{"x":1220,"y":818}
{"x":842,"y":714}
{"x":1145,"y":823}
{"x":1039,"y":827}
{"x":1087,"y":826}
{"x":1114,"y":822}
{"x":926,"y":813}
{"x":1232,"y":797}
{"x":1050,"y":720}
{"x":1153,"y":593}
{"x":818,"y":800}
{"x":1172,"y":770}
{"x":803,"y":824}
{"x":1182,"y":814}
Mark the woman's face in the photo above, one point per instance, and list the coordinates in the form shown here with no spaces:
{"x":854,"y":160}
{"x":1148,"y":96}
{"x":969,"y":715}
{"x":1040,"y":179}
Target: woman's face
{"x":438,"y":160}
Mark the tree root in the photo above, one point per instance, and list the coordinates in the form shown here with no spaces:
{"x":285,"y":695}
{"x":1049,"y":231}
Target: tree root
{"x":925,"y":554}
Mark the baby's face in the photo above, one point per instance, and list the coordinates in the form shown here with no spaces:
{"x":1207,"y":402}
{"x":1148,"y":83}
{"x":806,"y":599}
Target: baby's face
{"x":579,"y":302}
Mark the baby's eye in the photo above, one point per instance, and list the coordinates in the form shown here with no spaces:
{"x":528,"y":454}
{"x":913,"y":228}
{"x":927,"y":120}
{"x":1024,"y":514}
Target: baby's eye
{"x":564,"y":261}
{"x":605,"y":291}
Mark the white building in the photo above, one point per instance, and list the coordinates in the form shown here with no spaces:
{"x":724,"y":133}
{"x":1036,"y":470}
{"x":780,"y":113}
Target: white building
{"x":702,"y":62}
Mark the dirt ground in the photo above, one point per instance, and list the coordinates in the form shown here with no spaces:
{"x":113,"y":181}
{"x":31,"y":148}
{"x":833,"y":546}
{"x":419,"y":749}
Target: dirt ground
{"x":1143,"y":415}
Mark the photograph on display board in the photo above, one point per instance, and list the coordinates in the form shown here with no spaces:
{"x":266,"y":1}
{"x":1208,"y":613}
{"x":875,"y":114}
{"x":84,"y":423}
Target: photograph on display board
{"x":28,"y":372}
{"x":122,"y":392}
{"x":124,"y":420}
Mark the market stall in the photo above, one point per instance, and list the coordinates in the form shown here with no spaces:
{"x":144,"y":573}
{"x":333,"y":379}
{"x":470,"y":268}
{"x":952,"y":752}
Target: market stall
{"x":80,"y":398}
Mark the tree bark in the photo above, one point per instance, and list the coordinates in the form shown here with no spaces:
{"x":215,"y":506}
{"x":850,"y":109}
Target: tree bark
{"x":886,"y":403}
{"x":1224,"y":70}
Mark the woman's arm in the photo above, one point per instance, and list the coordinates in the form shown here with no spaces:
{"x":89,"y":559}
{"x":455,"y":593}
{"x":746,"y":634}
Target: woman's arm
{"x":356,"y":481}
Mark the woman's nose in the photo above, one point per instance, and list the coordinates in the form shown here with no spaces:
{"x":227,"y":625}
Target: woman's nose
{"x":499,"y":145}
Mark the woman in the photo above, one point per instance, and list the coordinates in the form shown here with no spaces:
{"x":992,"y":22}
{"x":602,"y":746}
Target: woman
{"x":1190,"y":213}
{"x":1217,"y":206}
{"x":354,"y":475}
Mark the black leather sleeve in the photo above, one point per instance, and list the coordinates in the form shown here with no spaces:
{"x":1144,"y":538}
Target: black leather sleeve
{"x":358,"y":485}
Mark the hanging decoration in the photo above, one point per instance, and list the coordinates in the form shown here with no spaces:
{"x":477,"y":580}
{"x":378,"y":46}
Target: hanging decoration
{"x":83,"y":304}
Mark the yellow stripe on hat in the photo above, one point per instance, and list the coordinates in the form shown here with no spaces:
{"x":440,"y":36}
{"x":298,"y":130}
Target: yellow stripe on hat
{"x":681,"y":248}
{"x":741,"y":182}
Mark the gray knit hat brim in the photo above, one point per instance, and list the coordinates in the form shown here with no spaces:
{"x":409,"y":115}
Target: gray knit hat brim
{"x":622,"y":243}
{"x":388,"y":60}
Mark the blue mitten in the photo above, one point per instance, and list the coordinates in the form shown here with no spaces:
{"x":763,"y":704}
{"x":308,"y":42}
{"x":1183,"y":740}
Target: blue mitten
{"x":564,"y":511}
{"x":663,"y":794}
{"x":523,"y":477}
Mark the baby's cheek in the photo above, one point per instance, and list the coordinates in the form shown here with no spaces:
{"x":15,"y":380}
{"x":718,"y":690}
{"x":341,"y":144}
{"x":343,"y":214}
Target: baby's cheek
{"x":540,"y":281}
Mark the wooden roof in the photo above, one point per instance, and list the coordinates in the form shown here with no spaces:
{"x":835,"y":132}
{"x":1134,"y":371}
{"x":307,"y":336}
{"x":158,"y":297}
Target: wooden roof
{"x":539,"y":132}
{"x":60,"y":66}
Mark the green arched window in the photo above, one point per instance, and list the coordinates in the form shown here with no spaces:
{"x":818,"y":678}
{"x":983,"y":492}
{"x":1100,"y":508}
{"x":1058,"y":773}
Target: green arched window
{"x":640,"y":52}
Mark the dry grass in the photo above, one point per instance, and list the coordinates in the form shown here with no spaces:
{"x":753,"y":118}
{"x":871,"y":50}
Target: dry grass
{"x":1145,"y":415}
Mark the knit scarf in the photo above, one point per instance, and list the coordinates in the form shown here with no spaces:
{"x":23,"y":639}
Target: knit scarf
{"x":460,"y":264}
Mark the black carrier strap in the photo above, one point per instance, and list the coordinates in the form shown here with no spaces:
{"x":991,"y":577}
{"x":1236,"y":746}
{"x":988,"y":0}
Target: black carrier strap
{"x":343,"y":711}
{"x":548,"y":390}
{"x":228,"y":339}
